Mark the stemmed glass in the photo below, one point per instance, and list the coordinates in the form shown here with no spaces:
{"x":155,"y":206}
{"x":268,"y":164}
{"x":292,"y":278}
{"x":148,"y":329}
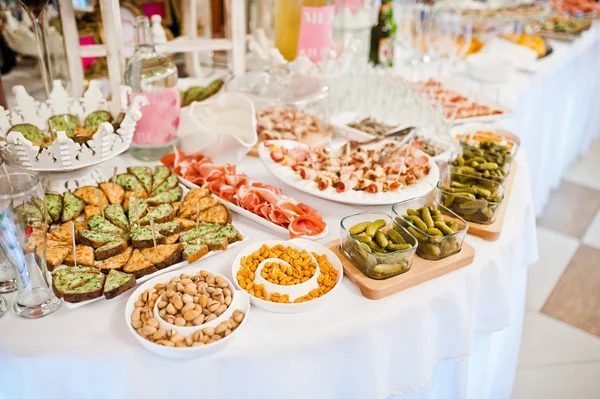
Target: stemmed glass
{"x":35,"y":10}
{"x":412,"y":24}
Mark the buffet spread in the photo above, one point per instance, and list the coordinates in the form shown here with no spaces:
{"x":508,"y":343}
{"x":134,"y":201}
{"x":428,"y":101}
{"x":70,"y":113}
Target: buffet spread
{"x":147,"y":232}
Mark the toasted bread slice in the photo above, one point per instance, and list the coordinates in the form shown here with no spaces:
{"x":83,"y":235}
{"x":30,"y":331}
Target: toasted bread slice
{"x":163,"y":255}
{"x":176,"y":206}
{"x":109,"y":250}
{"x":116,"y":262}
{"x":72,"y":206}
{"x":161,"y":173}
{"x":185,"y":224}
{"x":171,"y":182}
{"x":116,"y":215}
{"x":95,"y":239}
{"x":34,"y":240}
{"x":138,"y":265}
{"x":229,"y":232}
{"x":172,"y":239}
{"x":85,"y":256}
{"x":81,"y":135}
{"x":188,"y":210}
{"x":194,"y":195}
{"x":141,"y":237}
{"x":138,"y":211}
{"x":129,"y":182}
{"x":98,"y":223}
{"x":203,"y":230}
{"x":117,"y":283}
{"x":113,"y":192}
{"x":78,"y":284}
{"x":91,"y":196}
{"x":216,"y":214}
{"x":29,"y":214}
{"x":63,"y":232}
{"x":131,"y":194}
{"x":168,"y":228}
{"x":216,"y":243}
{"x":56,"y":255}
{"x":91,"y":210}
{"x":161,"y":214}
{"x":143,"y":174}
{"x":193,"y":252}
{"x":173,"y":195}
{"x":54,"y":205}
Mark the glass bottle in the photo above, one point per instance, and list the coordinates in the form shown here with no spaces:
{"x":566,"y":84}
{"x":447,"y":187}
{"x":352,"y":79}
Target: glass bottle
{"x":304,"y":26}
{"x":382,"y":36}
{"x":155,"y":77}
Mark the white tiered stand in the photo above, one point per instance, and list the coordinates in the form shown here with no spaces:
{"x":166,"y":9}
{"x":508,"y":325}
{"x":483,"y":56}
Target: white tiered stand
{"x":115,"y":52}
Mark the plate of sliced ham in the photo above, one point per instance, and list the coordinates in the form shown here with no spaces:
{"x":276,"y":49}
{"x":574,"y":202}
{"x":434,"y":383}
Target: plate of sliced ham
{"x":375,"y":174}
{"x":262,"y":203}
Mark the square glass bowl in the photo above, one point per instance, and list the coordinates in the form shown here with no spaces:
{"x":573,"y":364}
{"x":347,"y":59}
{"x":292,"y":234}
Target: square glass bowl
{"x":431,"y":247}
{"x":476,"y":139}
{"x":457,"y":164}
{"x":452,"y":193}
{"x":376,"y":265}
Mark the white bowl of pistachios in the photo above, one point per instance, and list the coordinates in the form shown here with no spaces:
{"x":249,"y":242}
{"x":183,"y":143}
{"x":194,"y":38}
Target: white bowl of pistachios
{"x":186,"y":313}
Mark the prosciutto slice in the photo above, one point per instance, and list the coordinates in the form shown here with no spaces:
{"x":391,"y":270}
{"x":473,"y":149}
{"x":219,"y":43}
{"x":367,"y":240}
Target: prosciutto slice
{"x":264,"y":200}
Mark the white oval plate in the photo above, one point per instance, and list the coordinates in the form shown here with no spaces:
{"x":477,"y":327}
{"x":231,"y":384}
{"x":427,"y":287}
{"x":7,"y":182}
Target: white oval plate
{"x":288,"y":176}
{"x":240,"y":302}
{"x":310,"y":246}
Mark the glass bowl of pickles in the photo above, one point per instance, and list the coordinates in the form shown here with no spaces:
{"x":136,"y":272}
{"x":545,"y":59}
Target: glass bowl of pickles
{"x":484,"y":154}
{"x":473,"y":198}
{"x":439,"y":231}
{"x":376,"y":244}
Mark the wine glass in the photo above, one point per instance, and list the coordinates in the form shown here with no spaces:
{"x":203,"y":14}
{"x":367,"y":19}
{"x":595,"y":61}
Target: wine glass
{"x":35,"y":10}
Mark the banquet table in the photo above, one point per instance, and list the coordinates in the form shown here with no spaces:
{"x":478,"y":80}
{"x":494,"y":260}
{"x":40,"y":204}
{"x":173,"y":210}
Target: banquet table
{"x":456,"y":336}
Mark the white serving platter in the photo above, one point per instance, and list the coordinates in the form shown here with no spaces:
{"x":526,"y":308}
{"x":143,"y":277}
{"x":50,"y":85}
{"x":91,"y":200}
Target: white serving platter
{"x":240,"y":301}
{"x":280,"y":231}
{"x":288,"y":176}
{"x":300,"y":307}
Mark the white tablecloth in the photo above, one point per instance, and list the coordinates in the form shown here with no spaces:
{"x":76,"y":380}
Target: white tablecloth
{"x":447,"y":338}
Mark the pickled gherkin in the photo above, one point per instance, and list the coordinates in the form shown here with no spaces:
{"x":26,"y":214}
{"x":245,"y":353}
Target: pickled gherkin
{"x":487,"y":159}
{"x":473,"y":198}
{"x":438,"y":238}
{"x":378,"y":250}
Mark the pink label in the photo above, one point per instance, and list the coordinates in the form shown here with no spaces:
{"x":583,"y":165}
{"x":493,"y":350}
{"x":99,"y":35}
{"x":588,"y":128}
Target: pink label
{"x":160,"y":118}
{"x":86,"y":40}
{"x":316,"y":31}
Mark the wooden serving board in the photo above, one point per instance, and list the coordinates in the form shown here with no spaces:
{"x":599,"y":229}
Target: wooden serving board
{"x":491,"y":232}
{"x":421,"y":270}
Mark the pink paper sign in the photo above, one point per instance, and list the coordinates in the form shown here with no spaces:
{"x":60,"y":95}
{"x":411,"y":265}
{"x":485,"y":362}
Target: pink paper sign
{"x":160,"y":118}
{"x":316,"y":31}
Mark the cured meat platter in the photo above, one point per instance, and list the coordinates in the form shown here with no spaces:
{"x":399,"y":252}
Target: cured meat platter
{"x":388,"y":182}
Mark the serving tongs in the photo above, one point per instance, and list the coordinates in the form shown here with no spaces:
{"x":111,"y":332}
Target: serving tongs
{"x":404,"y":132}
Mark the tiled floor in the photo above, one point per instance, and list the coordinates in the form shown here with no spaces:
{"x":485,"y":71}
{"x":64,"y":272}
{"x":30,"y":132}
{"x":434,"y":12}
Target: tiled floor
{"x":560,"y":350}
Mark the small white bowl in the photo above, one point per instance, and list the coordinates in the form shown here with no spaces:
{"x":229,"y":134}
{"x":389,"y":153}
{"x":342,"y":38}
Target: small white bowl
{"x":298,"y":243}
{"x":489,"y":68}
{"x":240,"y":300}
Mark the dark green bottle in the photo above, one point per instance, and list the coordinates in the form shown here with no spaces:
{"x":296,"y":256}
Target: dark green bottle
{"x":382,"y":36}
